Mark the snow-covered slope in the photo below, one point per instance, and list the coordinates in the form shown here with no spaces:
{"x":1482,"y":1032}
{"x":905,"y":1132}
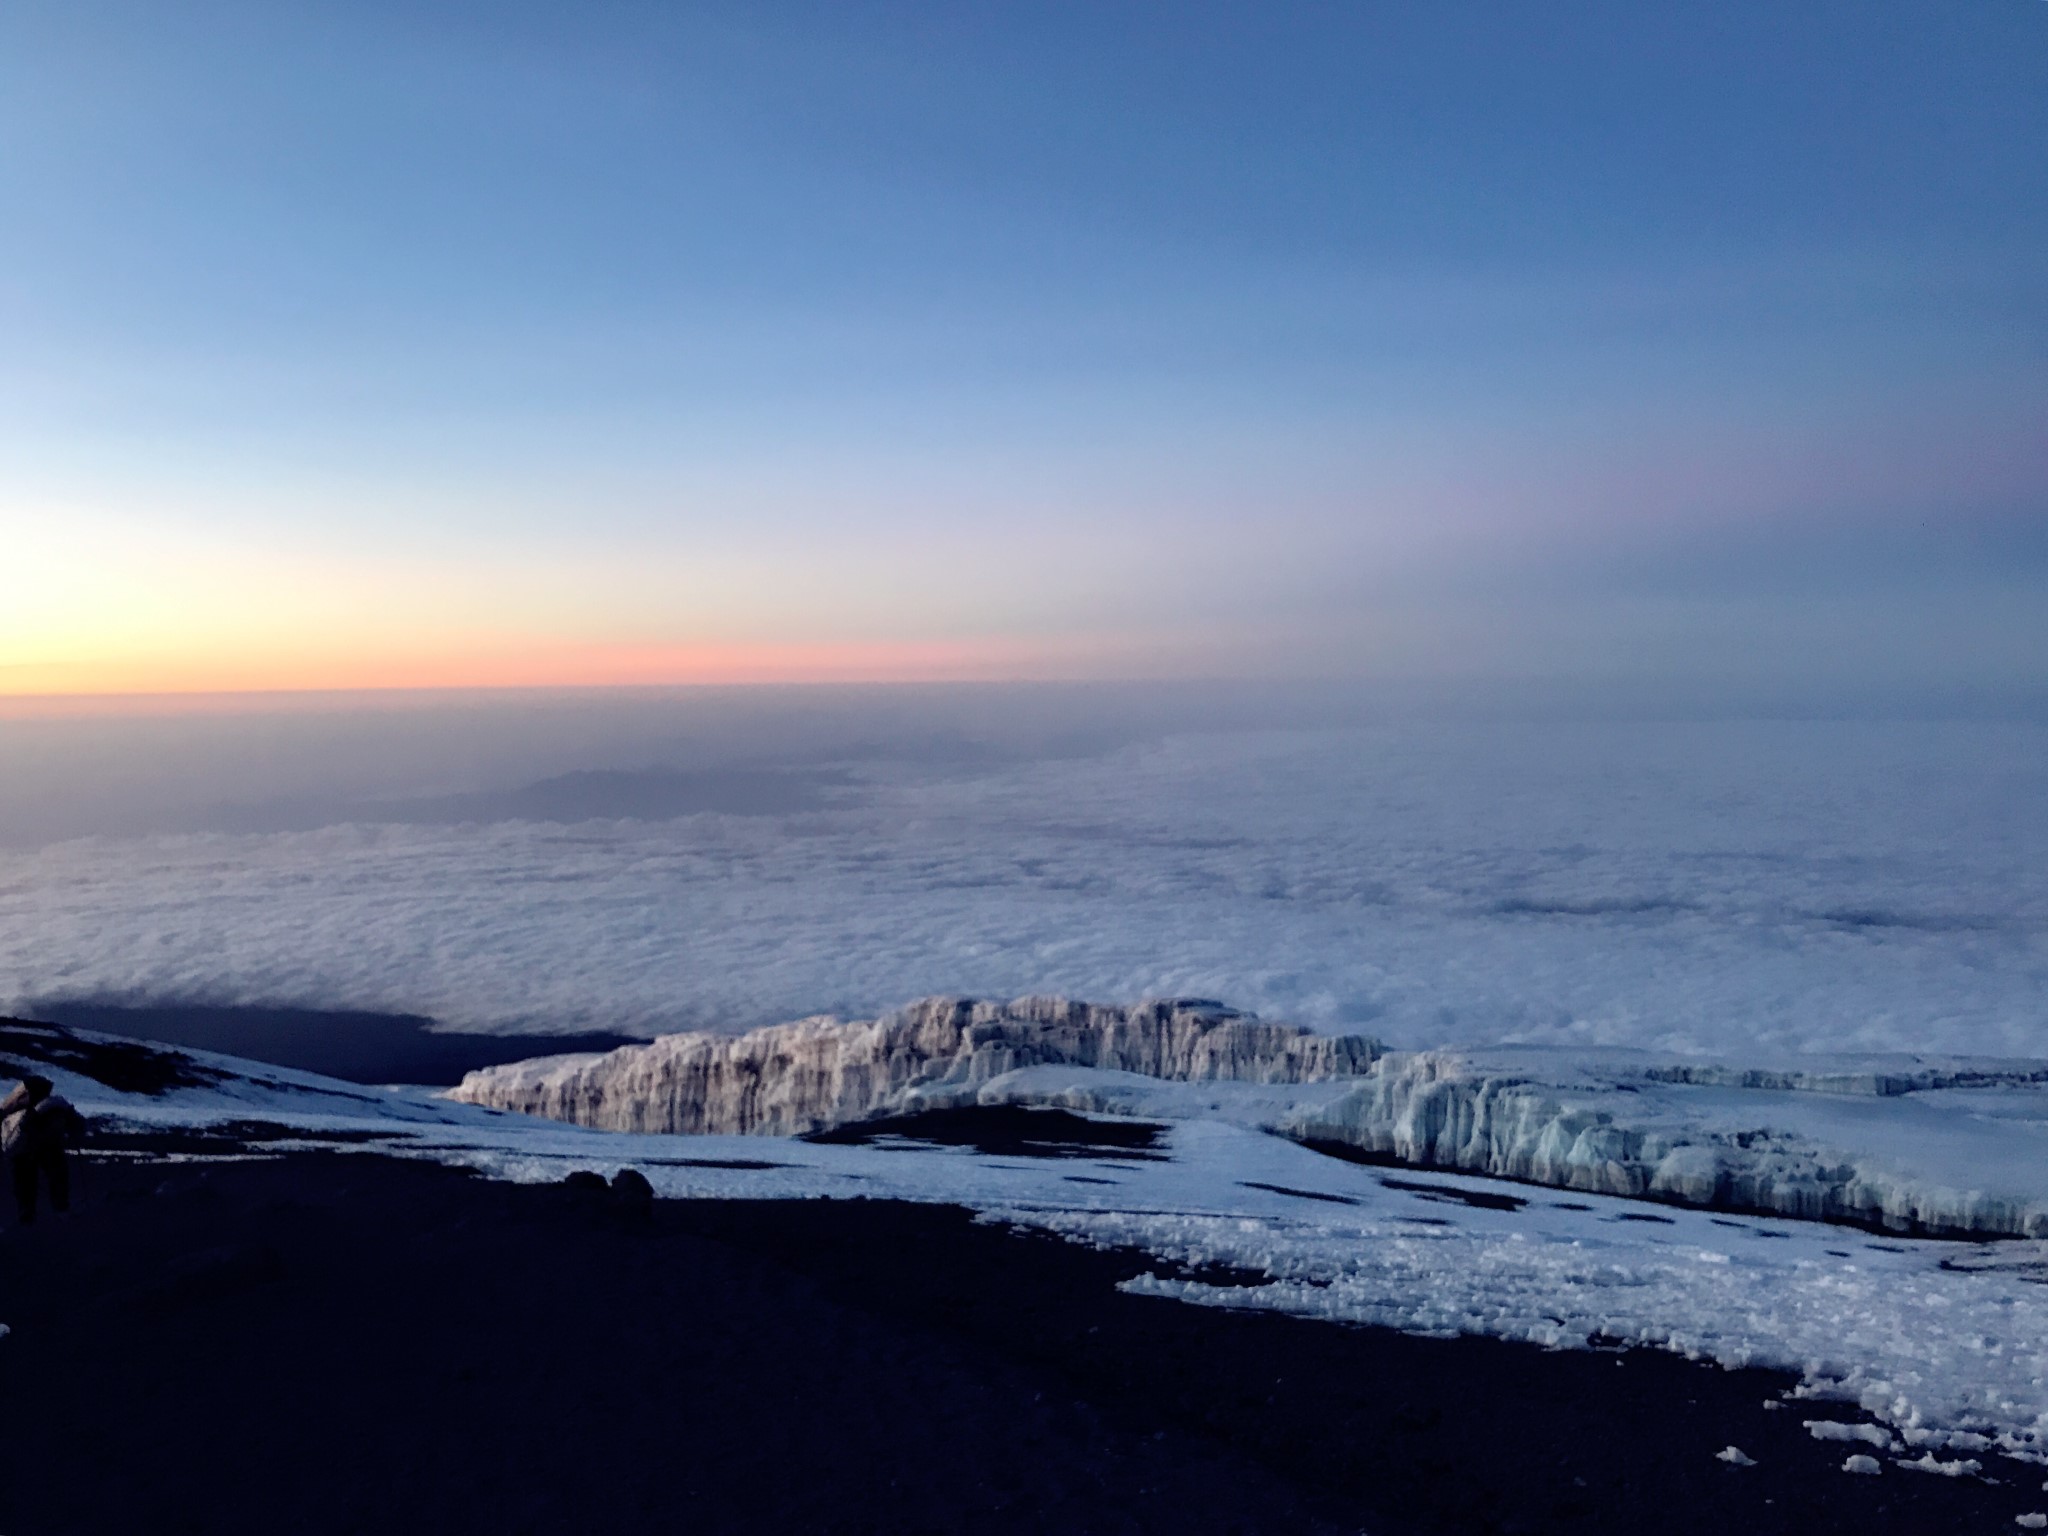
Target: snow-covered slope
{"x":122,"y":1083}
{"x":1925,"y":1146}
{"x":816,"y":1073}
{"x":1944,"y":1342}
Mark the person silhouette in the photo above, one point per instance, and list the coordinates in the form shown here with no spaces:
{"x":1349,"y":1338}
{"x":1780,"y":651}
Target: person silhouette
{"x":37,"y":1127}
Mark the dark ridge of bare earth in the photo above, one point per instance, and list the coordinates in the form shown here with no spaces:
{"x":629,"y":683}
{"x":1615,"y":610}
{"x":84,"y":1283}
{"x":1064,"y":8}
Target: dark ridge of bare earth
{"x":355,"y":1047}
{"x":1007,"y":1130}
{"x":342,"y":1342}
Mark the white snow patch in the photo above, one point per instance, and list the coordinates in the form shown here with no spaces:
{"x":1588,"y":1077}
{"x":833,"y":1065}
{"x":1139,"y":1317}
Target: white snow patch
{"x":1932,"y":1463}
{"x":1834,"y":1429}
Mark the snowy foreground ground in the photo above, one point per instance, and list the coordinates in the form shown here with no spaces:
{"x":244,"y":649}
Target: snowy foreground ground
{"x":1943,"y":1345}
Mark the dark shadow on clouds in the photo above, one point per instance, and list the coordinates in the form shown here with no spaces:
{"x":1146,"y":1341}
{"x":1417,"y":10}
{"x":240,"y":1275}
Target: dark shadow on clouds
{"x":648,"y":794}
{"x":654,"y":755}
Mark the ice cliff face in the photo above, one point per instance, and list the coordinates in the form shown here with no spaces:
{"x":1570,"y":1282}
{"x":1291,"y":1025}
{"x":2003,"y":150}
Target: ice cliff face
{"x":1783,"y":1141}
{"x":1913,"y":1145}
{"x":791,"y":1078}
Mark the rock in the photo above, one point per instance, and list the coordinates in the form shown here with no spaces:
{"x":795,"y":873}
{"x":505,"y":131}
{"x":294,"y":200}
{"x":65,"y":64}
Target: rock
{"x":630,"y":1186}
{"x":583,"y":1178}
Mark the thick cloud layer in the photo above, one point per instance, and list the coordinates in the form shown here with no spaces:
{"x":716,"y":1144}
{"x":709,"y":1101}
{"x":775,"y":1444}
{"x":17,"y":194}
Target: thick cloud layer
{"x":1730,"y":888}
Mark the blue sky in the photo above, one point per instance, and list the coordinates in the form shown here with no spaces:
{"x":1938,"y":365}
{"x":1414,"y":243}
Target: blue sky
{"x":366,"y":344}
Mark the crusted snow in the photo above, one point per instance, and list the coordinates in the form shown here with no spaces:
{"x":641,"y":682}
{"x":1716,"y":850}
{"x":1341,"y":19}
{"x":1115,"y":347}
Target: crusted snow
{"x":1834,"y":1429}
{"x":1968,"y":1467}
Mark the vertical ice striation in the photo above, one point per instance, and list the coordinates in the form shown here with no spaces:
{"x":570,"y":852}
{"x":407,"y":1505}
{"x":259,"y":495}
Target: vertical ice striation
{"x":791,"y":1078}
{"x":1616,"y":1127}
{"x":1879,"y":1142}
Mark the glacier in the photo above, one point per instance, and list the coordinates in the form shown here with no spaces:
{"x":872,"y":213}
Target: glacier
{"x":1915,"y":1145}
{"x":1911,"y":1145}
{"x":816,"y":1073}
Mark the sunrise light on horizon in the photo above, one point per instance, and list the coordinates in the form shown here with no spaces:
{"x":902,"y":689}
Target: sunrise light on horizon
{"x":360,"y":346}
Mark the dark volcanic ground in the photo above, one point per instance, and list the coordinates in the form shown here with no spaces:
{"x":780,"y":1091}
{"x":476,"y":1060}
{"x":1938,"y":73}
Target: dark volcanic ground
{"x":347,"y":1342}
{"x":355,"y":1047}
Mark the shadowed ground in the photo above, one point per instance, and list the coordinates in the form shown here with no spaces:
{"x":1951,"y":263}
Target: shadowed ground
{"x":355,"y":1047}
{"x":345,"y":1342}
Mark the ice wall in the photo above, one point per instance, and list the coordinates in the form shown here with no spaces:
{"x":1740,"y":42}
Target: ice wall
{"x":1777,"y":1141}
{"x":1879,"y":1077}
{"x":790,"y":1078}
{"x":1928,"y":1145}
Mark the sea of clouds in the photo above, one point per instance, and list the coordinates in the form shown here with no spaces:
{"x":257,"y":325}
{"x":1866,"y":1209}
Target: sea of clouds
{"x":1740,"y":888}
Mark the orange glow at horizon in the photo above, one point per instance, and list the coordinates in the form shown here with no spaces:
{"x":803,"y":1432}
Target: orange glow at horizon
{"x":709,"y":663}
{"x":108,"y":606}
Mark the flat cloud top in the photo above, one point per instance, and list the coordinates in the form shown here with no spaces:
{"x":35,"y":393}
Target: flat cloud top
{"x":1703,"y":887}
